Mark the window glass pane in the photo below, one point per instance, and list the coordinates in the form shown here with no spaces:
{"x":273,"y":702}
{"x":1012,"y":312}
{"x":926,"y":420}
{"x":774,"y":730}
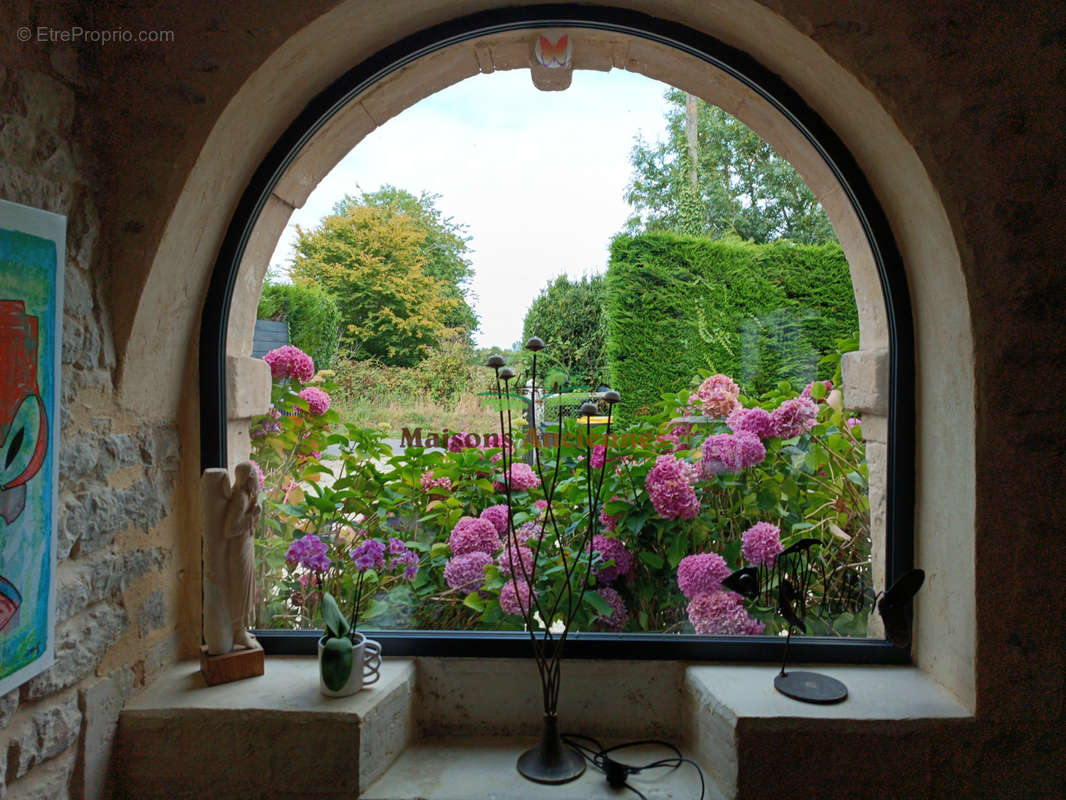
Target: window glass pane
{"x":720,"y":315}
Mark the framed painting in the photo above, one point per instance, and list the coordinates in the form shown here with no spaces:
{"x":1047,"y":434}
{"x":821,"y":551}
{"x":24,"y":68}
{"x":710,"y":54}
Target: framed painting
{"x":32,"y":263}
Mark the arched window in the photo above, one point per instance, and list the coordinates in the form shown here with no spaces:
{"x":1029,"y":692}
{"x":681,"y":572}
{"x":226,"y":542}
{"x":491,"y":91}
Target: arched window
{"x":856,"y":200}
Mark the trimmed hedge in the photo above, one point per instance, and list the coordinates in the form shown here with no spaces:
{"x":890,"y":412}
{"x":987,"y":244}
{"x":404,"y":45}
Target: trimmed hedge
{"x":761,"y":313}
{"x":313,"y":317}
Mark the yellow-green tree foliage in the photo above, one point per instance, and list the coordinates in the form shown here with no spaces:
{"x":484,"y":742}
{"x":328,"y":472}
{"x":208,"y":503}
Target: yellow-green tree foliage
{"x":373,"y":262}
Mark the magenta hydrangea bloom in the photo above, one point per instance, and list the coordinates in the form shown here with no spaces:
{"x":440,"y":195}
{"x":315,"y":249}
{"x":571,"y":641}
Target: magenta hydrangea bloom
{"x":458,"y":442}
{"x":498,"y":516}
{"x":752,"y":420}
{"x":718,"y":395}
{"x":611,"y":549}
{"x":431,"y":484}
{"x":309,"y":551}
{"x":523,"y":478}
{"x":515,"y":597}
{"x":793,"y":417}
{"x":617,"y":619}
{"x":598,"y":457}
{"x":669,"y":485}
{"x":701,"y":573}
{"x":610,"y":523}
{"x":473,"y":534}
{"x":466,"y":573}
{"x":317,"y":400}
{"x":521,"y":557}
{"x":760,"y":544}
{"x":722,"y":613}
{"x":726,"y":452}
{"x":289,"y":361}
{"x":529,"y":530}
{"x":807,"y":390}
{"x":370,"y":554}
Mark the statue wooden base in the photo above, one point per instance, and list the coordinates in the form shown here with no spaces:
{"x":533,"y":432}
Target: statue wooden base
{"x":233,"y":666}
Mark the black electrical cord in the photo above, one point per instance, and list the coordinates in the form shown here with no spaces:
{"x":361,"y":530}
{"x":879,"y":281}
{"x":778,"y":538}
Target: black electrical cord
{"x":618,"y":772}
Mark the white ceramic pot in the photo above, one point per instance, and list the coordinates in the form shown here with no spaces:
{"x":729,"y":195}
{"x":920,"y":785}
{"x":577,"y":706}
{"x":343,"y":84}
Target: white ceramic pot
{"x":366,"y":666}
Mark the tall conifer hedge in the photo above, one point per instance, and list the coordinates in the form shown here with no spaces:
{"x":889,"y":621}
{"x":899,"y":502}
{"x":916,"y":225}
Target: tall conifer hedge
{"x":761,"y":313}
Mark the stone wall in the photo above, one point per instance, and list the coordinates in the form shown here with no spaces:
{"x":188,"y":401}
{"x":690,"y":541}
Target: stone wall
{"x":117,"y":572}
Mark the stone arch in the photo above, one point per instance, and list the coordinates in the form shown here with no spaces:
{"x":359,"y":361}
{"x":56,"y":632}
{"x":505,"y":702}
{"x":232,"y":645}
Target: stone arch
{"x":945,"y":453}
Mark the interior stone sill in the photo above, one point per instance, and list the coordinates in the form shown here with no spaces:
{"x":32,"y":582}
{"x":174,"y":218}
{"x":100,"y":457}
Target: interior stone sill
{"x":729,"y":706}
{"x":461,"y":768}
{"x":450,"y":728}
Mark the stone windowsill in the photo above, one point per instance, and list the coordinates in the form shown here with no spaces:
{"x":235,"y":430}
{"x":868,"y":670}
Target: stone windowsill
{"x":294,"y":741}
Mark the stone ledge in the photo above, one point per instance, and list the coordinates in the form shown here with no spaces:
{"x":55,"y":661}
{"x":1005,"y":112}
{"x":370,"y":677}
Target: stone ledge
{"x":461,"y":768}
{"x":727,"y":705}
{"x":181,"y":733}
{"x":272,"y":736}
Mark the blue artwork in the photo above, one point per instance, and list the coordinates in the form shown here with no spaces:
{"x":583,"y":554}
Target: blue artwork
{"x":32,"y":258}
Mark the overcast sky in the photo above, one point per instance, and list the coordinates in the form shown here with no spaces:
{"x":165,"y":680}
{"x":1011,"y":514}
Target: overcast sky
{"x":537,"y":177}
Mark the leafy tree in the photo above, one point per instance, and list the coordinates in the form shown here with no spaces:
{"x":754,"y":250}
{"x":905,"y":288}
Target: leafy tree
{"x":374,"y":261}
{"x":444,"y":246}
{"x":569,"y":317}
{"x":313,"y":317}
{"x":744,"y":188}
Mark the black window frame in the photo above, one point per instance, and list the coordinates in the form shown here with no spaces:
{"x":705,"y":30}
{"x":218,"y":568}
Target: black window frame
{"x":738,"y":64}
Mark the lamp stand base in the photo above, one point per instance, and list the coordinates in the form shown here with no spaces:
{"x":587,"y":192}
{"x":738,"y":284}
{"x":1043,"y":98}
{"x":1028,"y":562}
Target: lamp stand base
{"x":551,"y":761}
{"x":811,"y":687}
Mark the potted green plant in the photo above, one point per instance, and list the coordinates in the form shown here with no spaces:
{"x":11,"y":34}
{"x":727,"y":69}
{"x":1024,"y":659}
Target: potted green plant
{"x":347,"y":659}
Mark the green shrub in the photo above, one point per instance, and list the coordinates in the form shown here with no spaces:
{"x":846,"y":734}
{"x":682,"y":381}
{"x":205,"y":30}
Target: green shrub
{"x":313,"y":317}
{"x":682,"y":305}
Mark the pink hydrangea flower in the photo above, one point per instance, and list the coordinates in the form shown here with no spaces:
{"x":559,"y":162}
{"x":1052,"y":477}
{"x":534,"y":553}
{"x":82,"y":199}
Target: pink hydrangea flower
{"x":726,"y":452}
{"x":617,"y":619}
{"x":458,"y":442}
{"x":521,"y":557}
{"x":793,"y":417}
{"x":529,"y":530}
{"x":598,"y":457}
{"x":606,"y":520}
{"x":753,"y":420}
{"x":669,"y":485}
{"x":288,"y":361}
{"x":718,"y":395}
{"x":466,"y":572}
{"x":515,"y":597}
{"x":473,"y":534}
{"x":317,"y":400}
{"x":701,"y":573}
{"x":611,"y":549}
{"x":760,"y":544}
{"x":722,"y":613}
{"x":498,"y":516}
{"x":807,"y":390}
{"x":523,"y":478}
{"x":431,"y":484}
